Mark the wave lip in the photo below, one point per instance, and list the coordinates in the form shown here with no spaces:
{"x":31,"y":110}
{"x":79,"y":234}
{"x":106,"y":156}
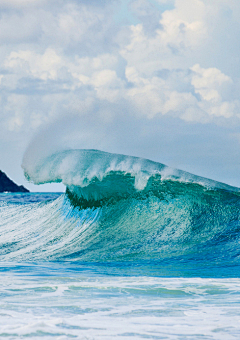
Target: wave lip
{"x":80,"y":167}
{"x":93,"y":175}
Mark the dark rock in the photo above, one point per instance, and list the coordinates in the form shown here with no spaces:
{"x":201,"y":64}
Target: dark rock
{"x":6,"y":184}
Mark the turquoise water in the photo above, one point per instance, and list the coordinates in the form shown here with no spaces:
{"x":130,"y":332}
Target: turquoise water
{"x":59,"y":301}
{"x":131,"y":250}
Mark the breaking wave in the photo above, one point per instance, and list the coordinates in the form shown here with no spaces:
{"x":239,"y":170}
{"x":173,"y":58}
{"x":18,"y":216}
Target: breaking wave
{"x":124,"y":209}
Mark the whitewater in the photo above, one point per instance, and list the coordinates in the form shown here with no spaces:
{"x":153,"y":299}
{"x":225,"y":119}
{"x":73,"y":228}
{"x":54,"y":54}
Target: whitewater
{"x":132,"y":249}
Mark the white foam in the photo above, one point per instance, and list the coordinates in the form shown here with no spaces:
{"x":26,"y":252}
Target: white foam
{"x":80,"y":167}
{"x":84,"y":306}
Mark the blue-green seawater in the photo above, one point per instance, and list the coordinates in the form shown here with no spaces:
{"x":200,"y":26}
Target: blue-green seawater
{"x":160,"y":264}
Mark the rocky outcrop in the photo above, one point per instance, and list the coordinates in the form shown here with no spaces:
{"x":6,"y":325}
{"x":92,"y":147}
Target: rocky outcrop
{"x":7,"y":185}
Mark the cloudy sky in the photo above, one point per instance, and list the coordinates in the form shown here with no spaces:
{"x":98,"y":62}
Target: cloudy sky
{"x":158,"y":79}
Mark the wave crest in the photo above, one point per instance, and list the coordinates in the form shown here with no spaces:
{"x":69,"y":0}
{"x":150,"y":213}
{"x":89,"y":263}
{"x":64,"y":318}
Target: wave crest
{"x":97,"y":176}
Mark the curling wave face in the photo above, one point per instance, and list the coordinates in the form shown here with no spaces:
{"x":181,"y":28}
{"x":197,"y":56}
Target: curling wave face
{"x":129,"y":210}
{"x":93,"y":175}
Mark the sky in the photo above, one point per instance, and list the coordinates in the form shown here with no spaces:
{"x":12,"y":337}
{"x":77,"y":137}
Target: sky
{"x":158,"y":79}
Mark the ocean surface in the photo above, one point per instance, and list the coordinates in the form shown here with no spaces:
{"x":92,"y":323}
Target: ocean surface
{"x":132,"y":250}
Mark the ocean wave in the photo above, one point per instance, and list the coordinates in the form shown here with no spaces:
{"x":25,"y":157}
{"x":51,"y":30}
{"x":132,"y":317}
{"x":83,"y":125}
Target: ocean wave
{"x":181,"y":222}
{"x":105,"y":215}
{"x":97,"y":176}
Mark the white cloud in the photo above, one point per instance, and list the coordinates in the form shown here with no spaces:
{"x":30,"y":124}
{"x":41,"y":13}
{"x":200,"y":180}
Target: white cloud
{"x":180,"y":31}
{"x":29,"y":63}
{"x":150,"y":96}
{"x":178,"y":60}
{"x":184,"y":26}
{"x":209,"y":82}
